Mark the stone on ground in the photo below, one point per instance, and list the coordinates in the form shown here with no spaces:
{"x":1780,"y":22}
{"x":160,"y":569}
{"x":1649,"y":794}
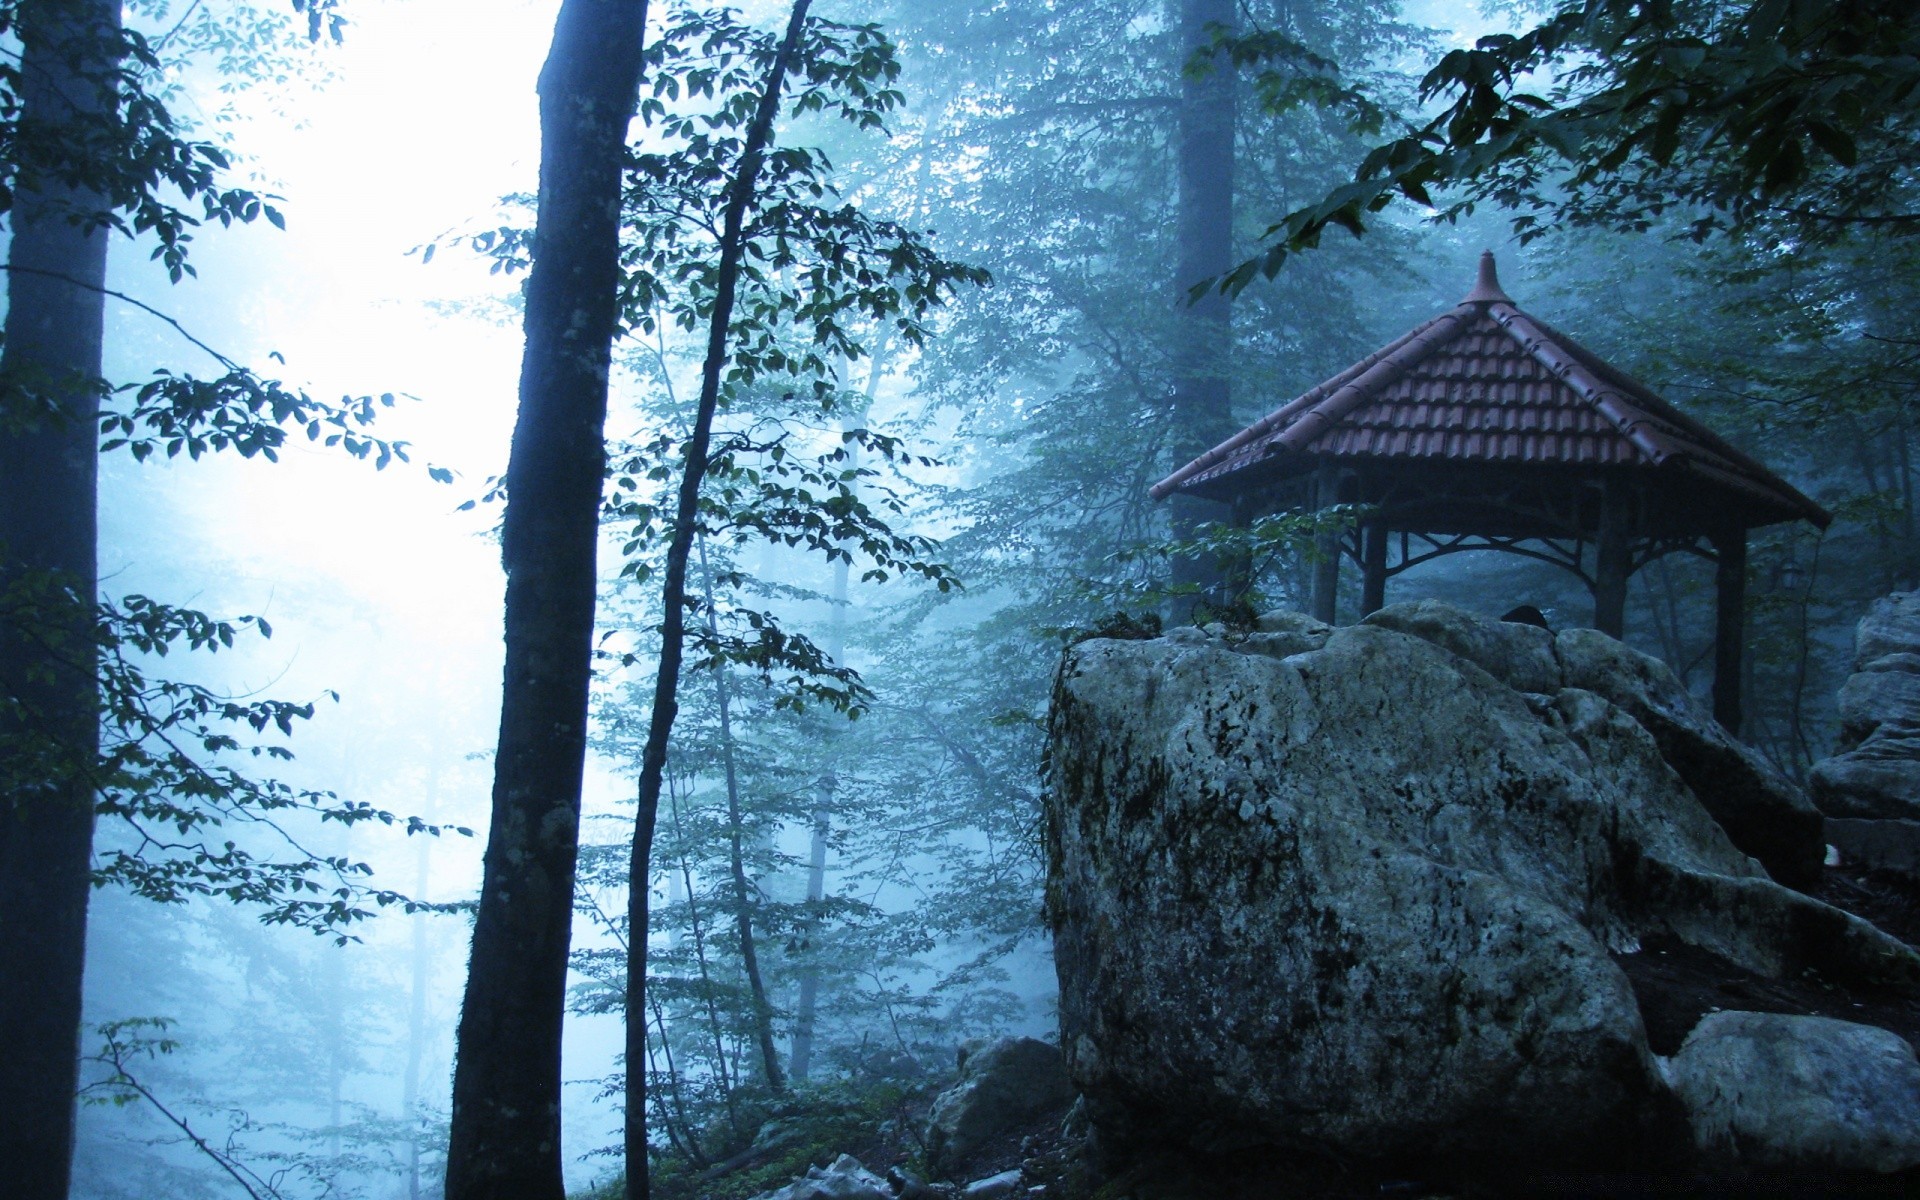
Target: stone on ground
{"x":1002,"y":1084}
{"x":1771,"y":1090}
{"x":845,"y":1179}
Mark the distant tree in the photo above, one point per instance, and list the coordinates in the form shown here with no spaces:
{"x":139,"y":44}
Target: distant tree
{"x":505,"y":1139}
{"x":738,"y":237}
{"x":1202,"y":400}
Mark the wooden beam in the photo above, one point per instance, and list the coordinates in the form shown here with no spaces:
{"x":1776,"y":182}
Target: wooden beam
{"x":1373,"y":566}
{"x":1729,"y":625}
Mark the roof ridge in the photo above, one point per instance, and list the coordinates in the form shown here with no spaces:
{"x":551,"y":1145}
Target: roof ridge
{"x":1292,"y":408}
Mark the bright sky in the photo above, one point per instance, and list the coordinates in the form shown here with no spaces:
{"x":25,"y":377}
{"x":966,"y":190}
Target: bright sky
{"x":376,"y":586}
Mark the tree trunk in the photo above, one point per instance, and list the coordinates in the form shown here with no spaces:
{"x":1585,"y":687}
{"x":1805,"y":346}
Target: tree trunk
{"x":505,"y":1138}
{"x":1202,"y":404}
{"x":48,"y":473}
{"x":806,"y":1005}
{"x":673,"y":586}
{"x":736,"y":857}
{"x":417,"y":1005}
{"x":721,"y":1074}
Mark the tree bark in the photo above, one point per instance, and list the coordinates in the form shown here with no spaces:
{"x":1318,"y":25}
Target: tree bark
{"x":48,"y":530}
{"x":673,"y":585}
{"x":505,"y":1137}
{"x":1202,"y":402}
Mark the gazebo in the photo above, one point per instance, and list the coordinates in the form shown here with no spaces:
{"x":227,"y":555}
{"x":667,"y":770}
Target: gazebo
{"x":1487,"y":429}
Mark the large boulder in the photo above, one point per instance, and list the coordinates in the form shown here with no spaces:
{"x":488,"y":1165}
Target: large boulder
{"x":1772,"y":1090}
{"x":1002,"y":1085}
{"x":1876,"y":775}
{"x":1359,"y":892}
{"x":1763,"y":813}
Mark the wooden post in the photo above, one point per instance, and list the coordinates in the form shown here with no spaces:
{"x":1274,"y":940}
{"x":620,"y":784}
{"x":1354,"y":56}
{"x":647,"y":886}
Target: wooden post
{"x":1729,"y":626}
{"x":1613,"y":562}
{"x":1326,"y":570}
{"x":1373,"y":566}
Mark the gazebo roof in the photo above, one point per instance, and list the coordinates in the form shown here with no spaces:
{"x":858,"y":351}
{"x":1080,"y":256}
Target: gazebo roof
{"x":1487,"y":384}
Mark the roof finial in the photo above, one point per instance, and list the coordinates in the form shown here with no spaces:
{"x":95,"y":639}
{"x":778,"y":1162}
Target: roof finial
{"x":1487,"y":289}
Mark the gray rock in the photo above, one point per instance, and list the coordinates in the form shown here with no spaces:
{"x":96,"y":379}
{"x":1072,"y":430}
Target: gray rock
{"x":1520,"y":656}
{"x":1283,"y":632}
{"x":1002,"y":1084}
{"x":1891,"y":626}
{"x":1884,"y":692}
{"x":1006,"y":1183}
{"x":1771,"y":1090}
{"x":1363,"y":897}
{"x":1765,"y":814}
{"x":846,"y":1179}
{"x":1876,"y":775}
{"x":1878,"y":779}
{"x":1886,"y":845}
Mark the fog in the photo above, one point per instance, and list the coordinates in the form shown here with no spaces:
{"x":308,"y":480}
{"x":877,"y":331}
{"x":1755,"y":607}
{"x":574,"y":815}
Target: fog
{"x":1036,"y":398}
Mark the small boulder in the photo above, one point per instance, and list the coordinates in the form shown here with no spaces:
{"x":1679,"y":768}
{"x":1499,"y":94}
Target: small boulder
{"x":846,"y":1179}
{"x":1877,"y":780}
{"x":1872,"y":786}
{"x":993,"y":1187}
{"x":1891,"y":626}
{"x":1774,"y":1090}
{"x":1001,"y":1085}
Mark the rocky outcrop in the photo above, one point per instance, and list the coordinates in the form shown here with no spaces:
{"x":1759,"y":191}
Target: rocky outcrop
{"x":1359,"y":889}
{"x":1876,"y":774}
{"x":1002,"y":1084}
{"x":1761,"y":812}
{"x":845,"y":1179}
{"x":1769,"y":1090}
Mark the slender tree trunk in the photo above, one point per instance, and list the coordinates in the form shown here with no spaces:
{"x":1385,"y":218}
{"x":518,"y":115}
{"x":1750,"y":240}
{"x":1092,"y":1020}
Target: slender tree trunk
{"x":736,"y":858}
{"x":1202,"y":404}
{"x":54,"y":330}
{"x":673,"y":584}
{"x":807,"y":1003}
{"x":714,"y":1024}
{"x":417,"y":1006}
{"x":505,"y":1139}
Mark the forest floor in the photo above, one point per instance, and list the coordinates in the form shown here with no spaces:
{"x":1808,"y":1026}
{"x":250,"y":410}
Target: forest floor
{"x":1676,"y":986}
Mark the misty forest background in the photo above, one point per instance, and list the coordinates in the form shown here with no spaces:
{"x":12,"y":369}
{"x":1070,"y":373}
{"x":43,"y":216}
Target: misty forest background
{"x":884,"y":870}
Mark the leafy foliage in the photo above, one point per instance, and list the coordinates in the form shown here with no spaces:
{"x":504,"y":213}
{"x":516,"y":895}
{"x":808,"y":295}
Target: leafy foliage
{"x":166,"y":776}
{"x":1798,"y":115}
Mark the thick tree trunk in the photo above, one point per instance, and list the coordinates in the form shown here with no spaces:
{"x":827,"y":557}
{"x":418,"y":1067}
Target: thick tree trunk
{"x":505,"y":1138}
{"x":48,"y":473}
{"x":1202,"y":404}
{"x":673,"y":587}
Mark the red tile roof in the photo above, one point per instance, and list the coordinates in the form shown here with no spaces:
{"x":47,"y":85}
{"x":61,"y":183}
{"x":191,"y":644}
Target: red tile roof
{"x":1487,"y":383}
